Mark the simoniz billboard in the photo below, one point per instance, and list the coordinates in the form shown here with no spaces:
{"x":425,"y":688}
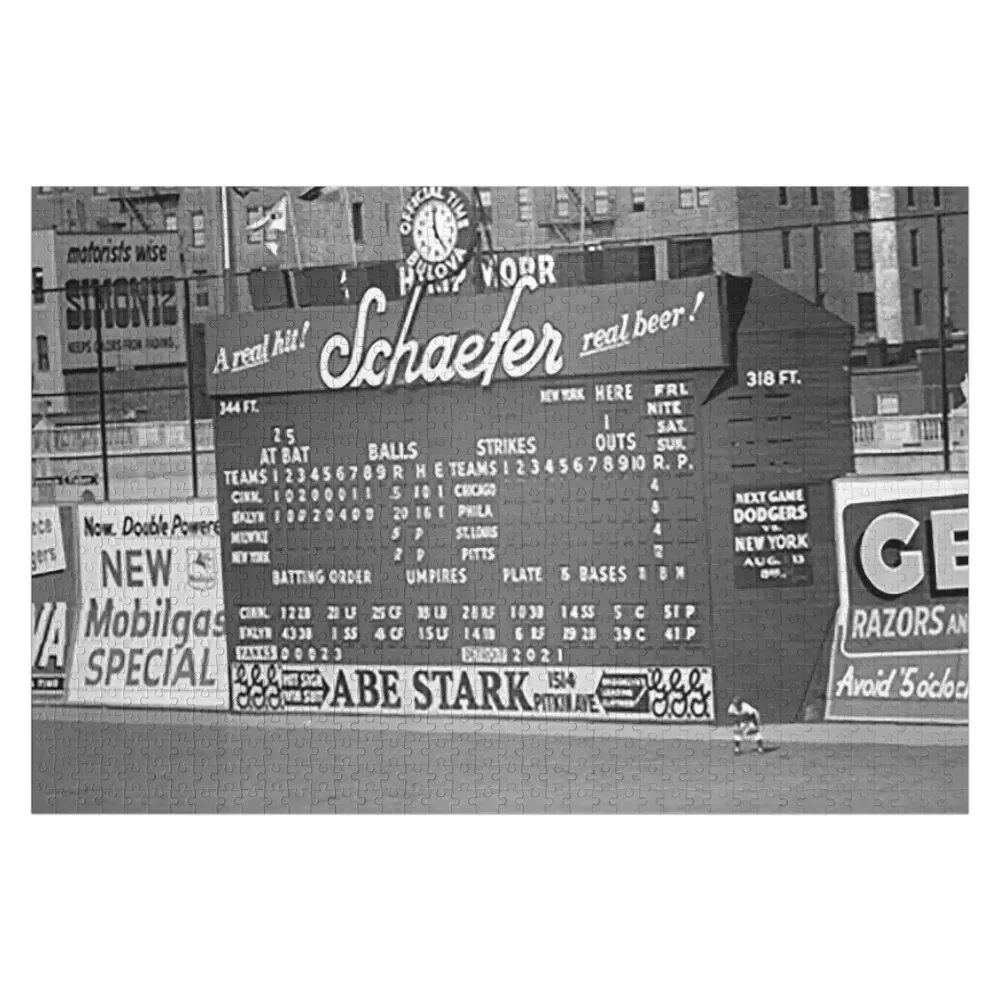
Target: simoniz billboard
{"x":134,"y":279}
{"x":901,"y":647}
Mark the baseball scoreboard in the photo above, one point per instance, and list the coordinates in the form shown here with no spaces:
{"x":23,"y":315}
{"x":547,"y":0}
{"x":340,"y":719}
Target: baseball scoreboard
{"x":610,"y":501}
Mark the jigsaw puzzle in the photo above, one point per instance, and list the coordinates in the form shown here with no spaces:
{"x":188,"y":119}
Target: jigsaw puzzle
{"x":517,"y":500}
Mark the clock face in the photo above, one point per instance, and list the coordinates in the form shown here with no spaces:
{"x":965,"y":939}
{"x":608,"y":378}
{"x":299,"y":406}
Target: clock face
{"x":435,"y":231}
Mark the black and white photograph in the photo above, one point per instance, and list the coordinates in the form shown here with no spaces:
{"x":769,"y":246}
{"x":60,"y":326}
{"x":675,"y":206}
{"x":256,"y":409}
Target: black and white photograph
{"x":427,"y":482}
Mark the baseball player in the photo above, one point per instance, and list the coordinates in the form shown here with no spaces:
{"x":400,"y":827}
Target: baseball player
{"x":746,"y":722}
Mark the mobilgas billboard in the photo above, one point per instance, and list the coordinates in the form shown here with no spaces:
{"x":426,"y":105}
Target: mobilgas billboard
{"x":134,"y":279}
{"x":151,"y":628}
{"x":901,"y":644}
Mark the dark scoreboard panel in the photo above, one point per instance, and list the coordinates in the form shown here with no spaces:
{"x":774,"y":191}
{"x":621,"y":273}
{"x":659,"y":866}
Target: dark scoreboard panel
{"x":556,"y":524}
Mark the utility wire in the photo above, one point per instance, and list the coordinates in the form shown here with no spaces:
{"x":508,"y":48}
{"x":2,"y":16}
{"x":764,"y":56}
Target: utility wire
{"x":595,"y":244}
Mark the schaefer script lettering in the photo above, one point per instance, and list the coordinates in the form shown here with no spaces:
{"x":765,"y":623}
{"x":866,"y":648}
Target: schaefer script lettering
{"x":468,"y":356}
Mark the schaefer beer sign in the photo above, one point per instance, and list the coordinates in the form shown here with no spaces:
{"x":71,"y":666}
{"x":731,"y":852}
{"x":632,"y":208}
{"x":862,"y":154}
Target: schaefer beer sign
{"x":901,"y":647}
{"x":528,"y":331}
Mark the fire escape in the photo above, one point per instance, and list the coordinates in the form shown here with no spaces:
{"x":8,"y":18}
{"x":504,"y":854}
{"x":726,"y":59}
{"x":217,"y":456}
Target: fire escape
{"x":136,"y":206}
{"x":567,"y":227}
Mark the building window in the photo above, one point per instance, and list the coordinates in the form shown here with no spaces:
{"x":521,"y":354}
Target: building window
{"x":859,"y":199}
{"x":100,"y":191}
{"x":486,"y":204}
{"x":911,"y":197}
{"x":201,"y":293}
{"x":524,"y":206}
{"x":254,"y":215}
{"x":639,"y":199}
{"x":814,"y":197}
{"x":867,"y":321}
{"x":562,"y":203}
{"x":914,"y":248}
{"x":691,"y":197}
{"x":786,"y":249}
{"x":887,"y":404}
{"x":602,"y":201}
{"x":170,"y":220}
{"x":689,"y":258}
{"x":862,"y":251}
{"x":198,"y":228}
{"x":45,"y":190}
{"x":947,"y":310}
{"x":937,"y":197}
{"x":135,"y":189}
{"x":782,"y":196}
{"x":358,"y":221}
{"x":38,"y":286}
{"x":42,"y":349}
{"x":918,"y":307}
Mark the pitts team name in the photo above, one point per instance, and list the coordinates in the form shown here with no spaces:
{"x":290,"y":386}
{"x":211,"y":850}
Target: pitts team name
{"x":445,"y":356}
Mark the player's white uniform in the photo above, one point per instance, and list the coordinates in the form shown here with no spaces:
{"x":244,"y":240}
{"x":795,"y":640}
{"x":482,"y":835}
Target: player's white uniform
{"x":746,"y":723}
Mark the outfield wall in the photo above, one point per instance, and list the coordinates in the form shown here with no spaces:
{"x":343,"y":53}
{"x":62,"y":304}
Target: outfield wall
{"x":127,"y":611}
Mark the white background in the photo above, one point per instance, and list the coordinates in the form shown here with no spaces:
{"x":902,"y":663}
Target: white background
{"x":717,"y":94}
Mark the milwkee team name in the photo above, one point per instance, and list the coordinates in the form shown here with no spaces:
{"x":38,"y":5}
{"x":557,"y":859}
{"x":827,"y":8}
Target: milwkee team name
{"x":444,"y":356}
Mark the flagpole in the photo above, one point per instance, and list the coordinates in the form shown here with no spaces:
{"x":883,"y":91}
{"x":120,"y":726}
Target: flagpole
{"x":227,"y":262}
{"x":295,"y":234}
{"x":350,"y":226}
{"x":293,"y":288}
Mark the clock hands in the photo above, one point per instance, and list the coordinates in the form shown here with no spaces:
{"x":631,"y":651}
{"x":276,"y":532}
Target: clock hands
{"x":434,"y":219}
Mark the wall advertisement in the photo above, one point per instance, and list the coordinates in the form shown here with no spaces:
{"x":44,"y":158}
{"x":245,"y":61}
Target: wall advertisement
{"x":673,"y":694}
{"x":55,"y":602}
{"x":901,"y":645}
{"x":47,"y":552}
{"x":531,"y":330}
{"x":151,"y":628}
{"x":134,"y":279}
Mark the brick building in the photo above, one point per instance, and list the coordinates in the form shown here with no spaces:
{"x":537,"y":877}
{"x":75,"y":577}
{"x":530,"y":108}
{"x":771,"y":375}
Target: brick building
{"x":829,"y":244}
{"x":47,"y":383}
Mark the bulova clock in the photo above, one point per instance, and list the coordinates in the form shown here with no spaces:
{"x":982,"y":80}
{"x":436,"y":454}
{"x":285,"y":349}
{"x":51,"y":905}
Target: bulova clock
{"x":437,"y":232}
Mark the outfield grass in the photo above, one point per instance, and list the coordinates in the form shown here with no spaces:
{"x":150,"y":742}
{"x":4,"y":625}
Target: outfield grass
{"x":110,"y":762}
